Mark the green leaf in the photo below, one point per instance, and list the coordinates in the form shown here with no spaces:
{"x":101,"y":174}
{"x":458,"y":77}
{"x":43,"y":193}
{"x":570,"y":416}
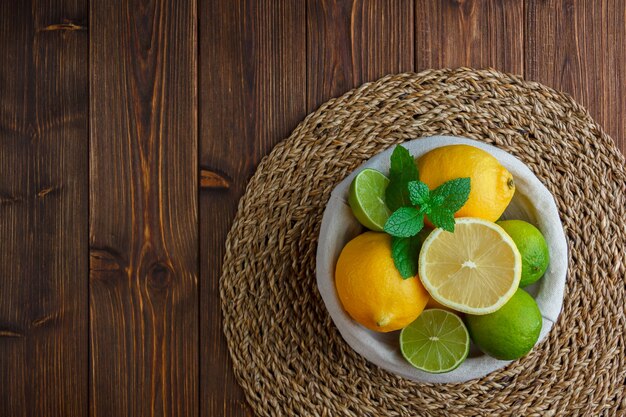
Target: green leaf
{"x":405,"y":222}
{"x":443,"y":218}
{"x":418,"y":193}
{"x":405,"y":252}
{"x":401,"y":171}
{"x":451,"y":195}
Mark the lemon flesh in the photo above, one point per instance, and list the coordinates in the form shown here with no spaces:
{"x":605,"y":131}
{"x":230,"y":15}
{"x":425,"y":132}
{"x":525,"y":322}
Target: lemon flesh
{"x":474,"y":270}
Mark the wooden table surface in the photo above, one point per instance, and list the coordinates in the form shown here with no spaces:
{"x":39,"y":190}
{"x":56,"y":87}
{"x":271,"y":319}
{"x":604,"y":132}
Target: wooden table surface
{"x":128,"y":130}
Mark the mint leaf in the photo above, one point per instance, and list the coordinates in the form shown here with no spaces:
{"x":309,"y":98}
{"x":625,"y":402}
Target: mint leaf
{"x":405,"y":222}
{"x":418,"y":193}
{"x":451,"y":195}
{"x":405,"y":252}
{"x":443,"y":218}
{"x":401,"y":171}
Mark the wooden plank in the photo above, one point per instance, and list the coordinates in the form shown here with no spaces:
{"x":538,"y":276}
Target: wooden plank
{"x":44,"y":134}
{"x":352,"y":42}
{"x":252,"y":94}
{"x":580,"y":47}
{"x":470,"y":33}
{"x":143,"y":228}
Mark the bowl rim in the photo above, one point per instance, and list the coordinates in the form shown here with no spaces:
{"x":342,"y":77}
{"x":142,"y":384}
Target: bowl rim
{"x":550,"y":292}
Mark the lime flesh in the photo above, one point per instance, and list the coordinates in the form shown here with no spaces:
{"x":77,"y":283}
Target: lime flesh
{"x":436,"y":342}
{"x":367,"y":199}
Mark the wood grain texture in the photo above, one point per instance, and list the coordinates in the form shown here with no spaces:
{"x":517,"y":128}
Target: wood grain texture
{"x":580,"y":47}
{"x":213,"y":180}
{"x":143,"y":209}
{"x":252,"y":94}
{"x":470,"y":33}
{"x":44,"y":134}
{"x":352,"y":42}
{"x":103,"y":226}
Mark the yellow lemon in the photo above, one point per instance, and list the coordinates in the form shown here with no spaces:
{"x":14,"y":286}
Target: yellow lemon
{"x":475,"y":270}
{"x":492,"y":185}
{"x":432,"y":303}
{"x":372,"y":290}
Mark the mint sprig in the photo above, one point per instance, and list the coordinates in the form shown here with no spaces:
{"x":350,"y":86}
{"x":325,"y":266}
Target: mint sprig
{"x":419,"y":193}
{"x":405,"y":222}
{"x":405,"y":252}
{"x":438,"y":205}
{"x":402,"y":170}
{"x":452,"y":195}
{"x":411,"y":201}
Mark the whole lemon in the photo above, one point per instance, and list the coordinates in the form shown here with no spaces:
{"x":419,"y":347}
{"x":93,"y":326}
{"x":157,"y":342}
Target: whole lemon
{"x":372,"y":290}
{"x":492,"y":185}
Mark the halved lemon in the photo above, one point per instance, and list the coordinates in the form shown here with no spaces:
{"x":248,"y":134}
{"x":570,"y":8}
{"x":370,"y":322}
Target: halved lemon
{"x":476,"y":269}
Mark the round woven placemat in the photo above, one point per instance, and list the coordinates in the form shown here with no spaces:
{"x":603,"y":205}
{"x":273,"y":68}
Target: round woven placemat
{"x":288,"y":356}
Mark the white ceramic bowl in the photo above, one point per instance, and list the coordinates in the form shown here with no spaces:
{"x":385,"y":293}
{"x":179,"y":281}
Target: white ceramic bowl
{"x":532,"y":202}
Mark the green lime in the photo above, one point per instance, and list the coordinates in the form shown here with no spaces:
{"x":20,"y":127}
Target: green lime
{"x":367,"y":199}
{"x":510,"y":332}
{"x":437,"y":341}
{"x":532,"y":246}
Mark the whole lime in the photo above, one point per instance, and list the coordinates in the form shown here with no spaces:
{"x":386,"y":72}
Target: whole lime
{"x":532,"y":246}
{"x":510,"y":332}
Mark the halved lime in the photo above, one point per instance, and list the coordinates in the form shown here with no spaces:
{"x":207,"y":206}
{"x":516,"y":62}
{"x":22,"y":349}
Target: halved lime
{"x":436,"y":342}
{"x":367,"y":199}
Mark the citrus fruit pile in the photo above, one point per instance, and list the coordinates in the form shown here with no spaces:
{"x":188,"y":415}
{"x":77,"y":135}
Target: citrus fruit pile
{"x":437,"y":264}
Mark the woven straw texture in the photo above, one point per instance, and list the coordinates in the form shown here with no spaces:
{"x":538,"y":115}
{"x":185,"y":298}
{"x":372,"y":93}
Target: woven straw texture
{"x":286,"y":352}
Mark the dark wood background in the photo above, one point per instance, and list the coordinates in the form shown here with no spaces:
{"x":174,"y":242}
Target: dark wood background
{"x":128,"y":130}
